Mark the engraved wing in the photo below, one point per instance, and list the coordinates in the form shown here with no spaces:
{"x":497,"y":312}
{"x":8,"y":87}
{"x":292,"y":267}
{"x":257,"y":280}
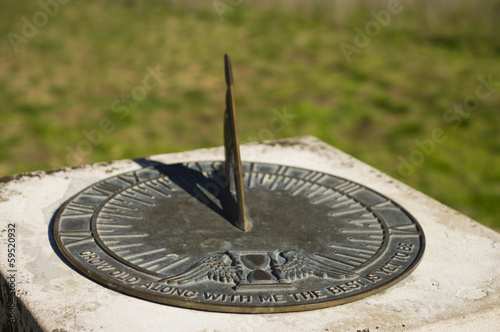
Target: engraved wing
{"x":217,"y":267}
{"x":298,"y":266}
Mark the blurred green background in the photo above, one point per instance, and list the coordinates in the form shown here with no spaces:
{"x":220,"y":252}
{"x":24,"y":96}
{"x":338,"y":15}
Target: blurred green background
{"x":375,"y":79}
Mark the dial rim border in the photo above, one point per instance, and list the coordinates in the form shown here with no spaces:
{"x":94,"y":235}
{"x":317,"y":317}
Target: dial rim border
{"x":223,"y":308}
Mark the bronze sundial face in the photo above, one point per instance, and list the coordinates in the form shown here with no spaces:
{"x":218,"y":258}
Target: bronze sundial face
{"x":238,"y":237}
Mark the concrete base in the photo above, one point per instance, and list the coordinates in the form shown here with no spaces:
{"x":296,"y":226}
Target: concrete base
{"x":455,"y":287}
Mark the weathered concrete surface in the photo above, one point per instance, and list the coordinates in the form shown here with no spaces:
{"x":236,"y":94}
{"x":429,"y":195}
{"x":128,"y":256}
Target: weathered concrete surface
{"x":455,"y":287}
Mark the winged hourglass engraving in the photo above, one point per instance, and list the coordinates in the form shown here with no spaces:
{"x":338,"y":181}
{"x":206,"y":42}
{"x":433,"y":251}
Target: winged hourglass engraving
{"x":257,"y":267}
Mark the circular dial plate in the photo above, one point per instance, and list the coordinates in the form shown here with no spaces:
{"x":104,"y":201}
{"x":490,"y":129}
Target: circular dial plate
{"x":159,"y":233}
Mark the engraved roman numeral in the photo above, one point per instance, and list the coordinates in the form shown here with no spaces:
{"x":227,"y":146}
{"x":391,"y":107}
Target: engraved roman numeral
{"x":151,"y":186}
{"x":319,"y":191}
{"x":404,"y":230}
{"x":106,"y":188}
{"x":282,"y":183}
{"x":249,"y":176}
{"x":118,"y":207}
{"x":133,"y":197}
{"x":329,"y":194}
{"x":137,"y":190}
{"x":130,"y":179}
{"x":165,"y":183}
{"x":347,"y":187}
{"x":293,"y":184}
{"x":345,"y":201}
{"x":313,"y":176}
{"x":76,"y":237}
{"x":194,"y":165}
{"x":268,"y":180}
{"x":78,"y":209}
{"x":306,"y":188}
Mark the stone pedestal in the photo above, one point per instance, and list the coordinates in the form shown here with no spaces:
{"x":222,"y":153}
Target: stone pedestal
{"x":455,"y":287}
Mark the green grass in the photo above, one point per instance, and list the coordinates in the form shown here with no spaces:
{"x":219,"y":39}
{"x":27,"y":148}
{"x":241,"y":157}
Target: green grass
{"x":396,"y":90}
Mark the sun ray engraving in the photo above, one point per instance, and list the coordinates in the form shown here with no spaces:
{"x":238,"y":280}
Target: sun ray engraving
{"x":121,"y":246}
{"x":144,"y":253}
{"x":148,"y":264}
{"x":172,"y":265}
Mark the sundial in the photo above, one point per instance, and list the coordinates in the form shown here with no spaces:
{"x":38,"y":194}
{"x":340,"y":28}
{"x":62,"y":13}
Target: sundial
{"x":233,"y":236}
